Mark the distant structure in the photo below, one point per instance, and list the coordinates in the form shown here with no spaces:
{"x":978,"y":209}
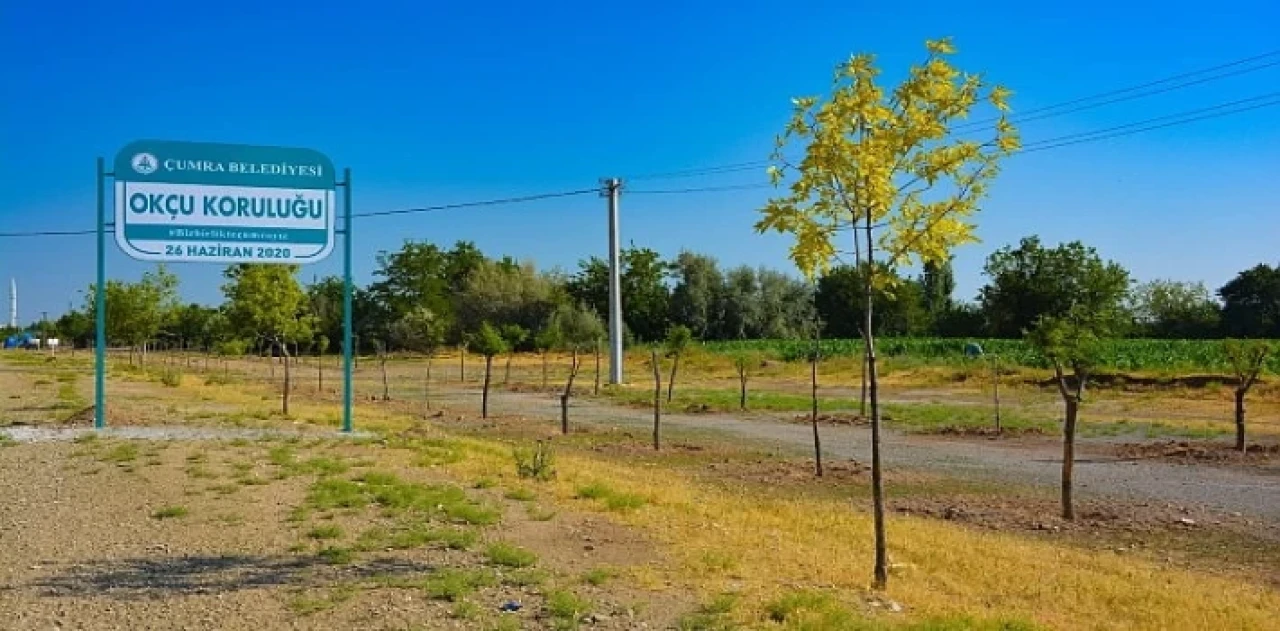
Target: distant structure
{"x":13,"y":303}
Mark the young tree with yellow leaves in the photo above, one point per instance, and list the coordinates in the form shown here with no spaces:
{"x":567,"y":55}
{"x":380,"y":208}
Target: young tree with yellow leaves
{"x":888,"y":161}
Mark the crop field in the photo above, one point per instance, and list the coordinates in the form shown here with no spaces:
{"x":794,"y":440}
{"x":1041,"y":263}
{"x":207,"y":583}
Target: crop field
{"x":1121,"y":355}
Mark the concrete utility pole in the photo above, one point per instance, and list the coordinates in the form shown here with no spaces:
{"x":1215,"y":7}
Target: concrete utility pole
{"x":13,"y":302}
{"x":612,"y":189}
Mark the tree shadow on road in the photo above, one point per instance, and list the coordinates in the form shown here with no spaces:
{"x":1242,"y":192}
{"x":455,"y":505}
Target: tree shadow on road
{"x":147,"y":578}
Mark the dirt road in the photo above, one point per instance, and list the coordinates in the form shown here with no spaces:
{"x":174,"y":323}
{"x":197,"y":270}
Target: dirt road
{"x":1036,"y":461}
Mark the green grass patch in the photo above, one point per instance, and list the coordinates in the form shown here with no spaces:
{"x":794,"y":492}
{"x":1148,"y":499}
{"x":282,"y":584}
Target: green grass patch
{"x":527,"y":577}
{"x":334,"y":555}
{"x":415,"y":535}
{"x":566,"y":607}
{"x":809,"y":609}
{"x":306,"y":604}
{"x":711,"y":616}
{"x":397,"y":497}
{"x":86,"y":438}
{"x":613,"y":499}
{"x":170,"y":512}
{"x":325,"y":532}
{"x":199,"y":472}
{"x":453,"y":584}
{"x":598,"y":576}
{"x":485,"y":483}
{"x":121,"y":453}
{"x":521,"y":494}
{"x":507,"y":555}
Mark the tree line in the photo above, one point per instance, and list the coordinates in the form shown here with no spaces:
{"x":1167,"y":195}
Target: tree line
{"x":459,"y":288}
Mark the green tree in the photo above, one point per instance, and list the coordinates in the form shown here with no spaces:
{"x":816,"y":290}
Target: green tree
{"x":1251,"y":303}
{"x":1072,"y":343}
{"x":574,"y":329}
{"x":1174,"y":310}
{"x":840,"y":300}
{"x":508,"y":293}
{"x":267,"y":301}
{"x":1031,"y":281}
{"x":678,"y":339}
{"x":488,"y":342}
{"x":886,"y":160}
{"x":136,"y":311}
{"x":646,"y":299}
{"x":1247,"y":358}
{"x":739,"y":304}
{"x":416,"y":275}
{"x":514,"y":335}
{"x":786,"y":306}
{"x":696,"y":299}
{"x":937,"y":284}
{"x":421,"y":331}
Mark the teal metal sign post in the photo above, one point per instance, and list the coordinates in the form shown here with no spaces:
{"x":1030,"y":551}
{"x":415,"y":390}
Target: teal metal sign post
{"x":219,"y":203}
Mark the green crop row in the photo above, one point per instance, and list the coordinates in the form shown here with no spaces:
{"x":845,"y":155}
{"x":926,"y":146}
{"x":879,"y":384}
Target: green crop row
{"x":1146,"y":355}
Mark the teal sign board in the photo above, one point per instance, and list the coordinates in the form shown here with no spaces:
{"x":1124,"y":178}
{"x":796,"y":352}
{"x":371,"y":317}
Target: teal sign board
{"x":217,"y":203}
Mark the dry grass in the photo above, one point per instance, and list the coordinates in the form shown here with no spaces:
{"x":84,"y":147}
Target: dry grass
{"x":767,"y":547}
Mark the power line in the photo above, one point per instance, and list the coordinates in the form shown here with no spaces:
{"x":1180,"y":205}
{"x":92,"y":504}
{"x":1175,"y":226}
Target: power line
{"x":1064,"y":141}
{"x":715,"y":170}
{"x":705,"y":189}
{"x":487,"y":202}
{"x":1082,"y":103}
{"x":47,"y":233}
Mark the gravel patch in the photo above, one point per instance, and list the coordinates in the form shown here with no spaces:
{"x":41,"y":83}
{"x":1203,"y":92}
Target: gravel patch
{"x":31,"y":434}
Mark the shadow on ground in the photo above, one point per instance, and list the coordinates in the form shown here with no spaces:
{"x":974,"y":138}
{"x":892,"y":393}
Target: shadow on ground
{"x":145,"y":578}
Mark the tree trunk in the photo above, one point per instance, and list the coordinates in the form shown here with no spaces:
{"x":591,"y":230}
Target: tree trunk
{"x":863,"y":411}
{"x":544,"y":370}
{"x":657,"y":403}
{"x":813,"y":415}
{"x":742,"y":387}
{"x":484,"y":397}
{"x":568,"y":391}
{"x":386,"y":388}
{"x":671,"y":385}
{"x":995,"y":381}
{"x":426,"y":385}
{"x":506,"y":374}
{"x":319,"y":374}
{"x":1068,"y":454}
{"x":1240,"y":442}
{"x":596,"y":389}
{"x":284,"y":351}
{"x":877,"y":477}
{"x":462,"y":366}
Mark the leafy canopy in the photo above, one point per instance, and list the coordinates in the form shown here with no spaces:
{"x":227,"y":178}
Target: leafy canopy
{"x":890,"y":157}
{"x":1033,"y":281}
{"x":488,"y":341}
{"x":267,"y":300}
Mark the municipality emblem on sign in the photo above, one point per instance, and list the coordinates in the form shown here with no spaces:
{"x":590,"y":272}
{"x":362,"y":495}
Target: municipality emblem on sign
{"x":145,"y":163}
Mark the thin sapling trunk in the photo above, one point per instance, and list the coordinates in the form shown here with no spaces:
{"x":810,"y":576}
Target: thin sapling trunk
{"x":877,"y":475}
{"x":568,"y":391}
{"x":426,"y":383}
{"x":484,"y":397}
{"x":813,"y":414}
{"x":284,"y":351}
{"x":596,"y":388}
{"x":657,"y":402}
{"x":671,"y":385}
{"x":1071,"y":400}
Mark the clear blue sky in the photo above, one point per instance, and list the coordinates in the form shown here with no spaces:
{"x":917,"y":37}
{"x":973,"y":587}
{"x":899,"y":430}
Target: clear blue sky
{"x":433,"y":103}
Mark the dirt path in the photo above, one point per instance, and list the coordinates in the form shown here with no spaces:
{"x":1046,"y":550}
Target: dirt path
{"x":1253,"y":492}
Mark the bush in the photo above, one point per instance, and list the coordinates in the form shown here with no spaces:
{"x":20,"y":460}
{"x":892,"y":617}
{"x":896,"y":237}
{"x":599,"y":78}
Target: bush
{"x":537,"y":463}
{"x":171,"y":378}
